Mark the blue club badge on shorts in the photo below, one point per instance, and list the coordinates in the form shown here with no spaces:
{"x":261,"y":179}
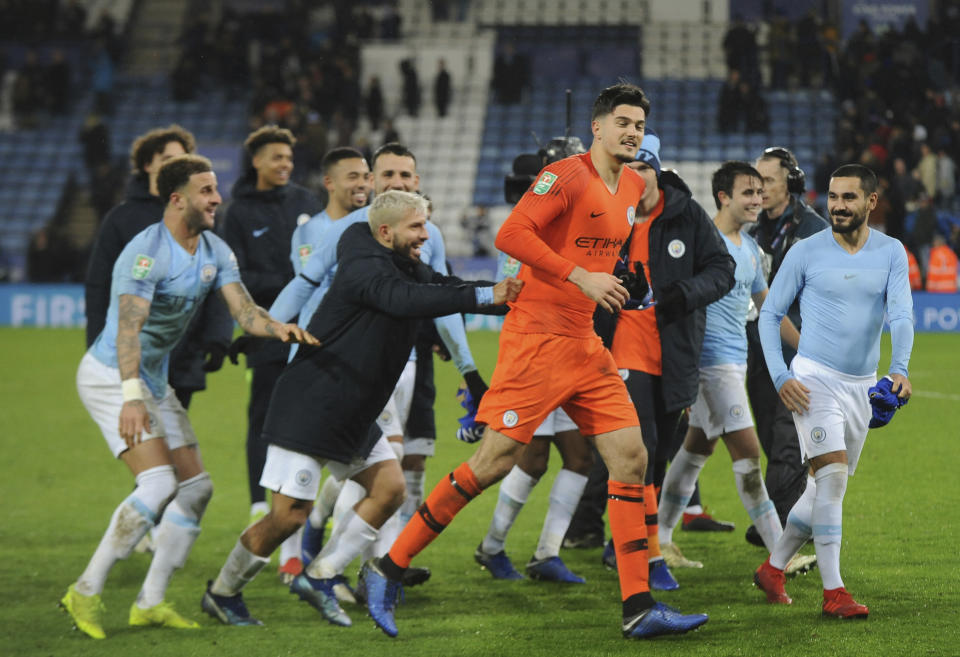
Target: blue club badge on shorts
{"x":736,"y":411}
{"x":818,"y":434}
{"x":304,"y":477}
{"x":208,"y":273}
{"x":510,"y":419}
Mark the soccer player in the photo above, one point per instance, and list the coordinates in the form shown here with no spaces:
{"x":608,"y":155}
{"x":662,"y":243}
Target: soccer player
{"x":847,"y":279}
{"x":159,"y":280}
{"x":264,"y":210}
{"x":567,"y":229}
{"x":721,"y":409}
{"x":657,"y":346}
{"x":367,"y":322}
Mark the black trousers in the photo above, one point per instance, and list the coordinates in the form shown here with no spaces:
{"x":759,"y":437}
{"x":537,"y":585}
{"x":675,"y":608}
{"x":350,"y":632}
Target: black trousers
{"x":662,"y":436}
{"x":786,"y":475}
{"x":261,"y":388}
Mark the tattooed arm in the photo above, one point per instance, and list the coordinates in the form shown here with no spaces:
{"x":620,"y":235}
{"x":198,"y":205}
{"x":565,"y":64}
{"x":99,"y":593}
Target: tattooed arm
{"x":132,"y":315}
{"x":256,"y":321}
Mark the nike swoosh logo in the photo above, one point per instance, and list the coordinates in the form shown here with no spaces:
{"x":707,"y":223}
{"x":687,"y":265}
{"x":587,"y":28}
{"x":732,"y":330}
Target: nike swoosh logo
{"x":594,"y":215}
{"x":848,"y":276}
{"x":260,"y":231}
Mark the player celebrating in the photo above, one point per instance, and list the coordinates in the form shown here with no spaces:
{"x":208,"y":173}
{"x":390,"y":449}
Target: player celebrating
{"x":568,"y":229}
{"x":847,"y":279}
{"x":721,"y":409}
{"x":159,"y":280}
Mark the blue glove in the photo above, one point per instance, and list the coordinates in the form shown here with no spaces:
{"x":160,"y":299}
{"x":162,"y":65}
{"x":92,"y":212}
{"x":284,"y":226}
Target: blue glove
{"x":884,"y":402}
{"x":470,"y":430}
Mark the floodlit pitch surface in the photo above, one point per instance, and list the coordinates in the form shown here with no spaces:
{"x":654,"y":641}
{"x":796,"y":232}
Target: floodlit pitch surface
{"x":60,"y":485}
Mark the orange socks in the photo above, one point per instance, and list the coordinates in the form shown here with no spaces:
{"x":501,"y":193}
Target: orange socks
{"x":444,"y":502}
{"x":653,"y":523}
{"x":626,"y":510}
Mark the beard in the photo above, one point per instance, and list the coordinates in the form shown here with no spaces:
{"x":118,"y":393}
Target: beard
{"x":196,"y":220}
{"x":624,"y":159}
{"x":856,"y":220}
{"x":406,"y":249}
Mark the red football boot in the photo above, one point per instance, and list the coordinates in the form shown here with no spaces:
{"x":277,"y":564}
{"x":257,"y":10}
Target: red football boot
{"x":770,"y":580}
{"x":837,"y":603}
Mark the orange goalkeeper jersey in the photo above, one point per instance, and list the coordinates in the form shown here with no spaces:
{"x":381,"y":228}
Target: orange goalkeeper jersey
{"x":567,"y":218}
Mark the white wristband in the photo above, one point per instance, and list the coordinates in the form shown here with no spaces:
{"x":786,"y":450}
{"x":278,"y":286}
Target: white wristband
{"x":132,"y":390}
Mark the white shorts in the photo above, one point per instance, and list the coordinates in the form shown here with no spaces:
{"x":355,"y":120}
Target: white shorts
{"x":393,"y":418}
{"x":722,"y":406}
{"x":298,"y":475}
{"x":101,"y":394}
{"x":557,"y":422}
{"x":839,"y":411}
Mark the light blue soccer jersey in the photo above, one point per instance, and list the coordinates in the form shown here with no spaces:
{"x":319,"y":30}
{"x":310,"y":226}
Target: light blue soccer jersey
{"x":725,"y":339}
{"x":843,"y":297}
{"x":155,"y":267}
{"x":306,"y":238}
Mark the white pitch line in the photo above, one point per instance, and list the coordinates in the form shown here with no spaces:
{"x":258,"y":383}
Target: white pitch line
{"x":937,"y":395}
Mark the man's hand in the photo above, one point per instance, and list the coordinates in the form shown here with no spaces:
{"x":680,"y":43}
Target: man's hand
{"x":901,"y":386}
{"x":794,"y":396}
{"x":288,"y":333}
{"x":134,"y":421}
{"x":507,"y":290}
{"x":604,"y":289}
{"x":215,"y":353}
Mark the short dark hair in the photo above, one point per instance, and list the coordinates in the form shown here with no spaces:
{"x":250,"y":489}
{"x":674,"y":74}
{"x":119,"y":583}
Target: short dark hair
{"x":268,"y":134}
{"x":176,"y":172}
{"x":868,"y":179}
{"x":393,"y":148}
{"x":623,"y":93}
{"x":334,"y":155}
{"x":724,"y":177}
{"x":147,"y":145}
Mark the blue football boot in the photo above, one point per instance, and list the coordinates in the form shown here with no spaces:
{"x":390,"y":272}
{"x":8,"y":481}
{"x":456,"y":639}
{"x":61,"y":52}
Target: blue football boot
{"x":659,"y":620}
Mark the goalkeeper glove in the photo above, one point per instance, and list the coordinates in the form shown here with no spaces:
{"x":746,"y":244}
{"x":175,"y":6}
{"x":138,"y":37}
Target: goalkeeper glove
{"x":636,"y":283}
{"x":470,"y":430}
{"x":884,"y":402}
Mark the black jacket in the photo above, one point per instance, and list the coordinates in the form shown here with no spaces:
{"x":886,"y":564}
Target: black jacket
{"x":327,"y":399}
{"x":775,"y":237}
{"x":687,"y":255}
{"x":258,"y":226}
{"x":211,"y":325}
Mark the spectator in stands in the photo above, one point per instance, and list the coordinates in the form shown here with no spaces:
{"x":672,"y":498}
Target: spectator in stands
{"x":58,"y":83}
{"x":913,"y":271}
{"x":374,"y":103}
{"x":946,"y":178}
{"x":942,"y":272}
{"x":102,"y":77}
{"x":730,"y":108}
{"x":390,"y":24}
{"x":442,"y":89}
{"x":511,"y":75}
{"x":28,"y":91}
{"x":72,"y":19}
{"x":927,"y":170}
{"x":49,"y":257}
{"x":780,"y":51}
{"x":740,"y":48}
{"x":95,"y":138}
{"x":757,"y":115}
{"x":411,"y":87}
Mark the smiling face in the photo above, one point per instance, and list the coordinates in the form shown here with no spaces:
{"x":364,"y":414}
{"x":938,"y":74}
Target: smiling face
{"x":775,"y":194}
{"x":651,"y":193}
{"x":620,"y":132}
{"x":199,"y":199}
{"x":274,"y":164}
{"x":745,"y":200}
{"x":348,"y":185}
{"x":408,"y":234}
{"x":848,"y":204}
{"x":396,"y":172}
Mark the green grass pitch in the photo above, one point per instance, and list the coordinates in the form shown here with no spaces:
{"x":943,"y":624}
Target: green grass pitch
{"x":901,"y":535}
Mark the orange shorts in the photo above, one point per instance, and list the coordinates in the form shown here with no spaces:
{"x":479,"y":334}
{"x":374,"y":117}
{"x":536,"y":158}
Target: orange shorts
{"x":537,"y":372}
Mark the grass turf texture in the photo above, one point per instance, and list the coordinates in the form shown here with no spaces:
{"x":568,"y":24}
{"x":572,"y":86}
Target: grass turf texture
{"x":60,"y":486}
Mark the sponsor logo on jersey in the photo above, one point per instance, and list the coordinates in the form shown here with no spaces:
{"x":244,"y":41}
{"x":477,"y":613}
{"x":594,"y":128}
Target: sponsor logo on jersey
{"x":304,"y":252}
{"x":304,"y":477}
{"x":594,"y":215}
{"x":142,"y":266}
{"x":818,"y":435}
{"x":510,"y":419}
{"x":544,"y":183}
{"x":676,"y":248}
{"x":208,"y":273}
{"x":631,"y":215}
{"x":599,"y":246}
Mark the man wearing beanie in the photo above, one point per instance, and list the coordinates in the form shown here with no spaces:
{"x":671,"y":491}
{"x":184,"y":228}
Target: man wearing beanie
{"x":658,"y":346}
